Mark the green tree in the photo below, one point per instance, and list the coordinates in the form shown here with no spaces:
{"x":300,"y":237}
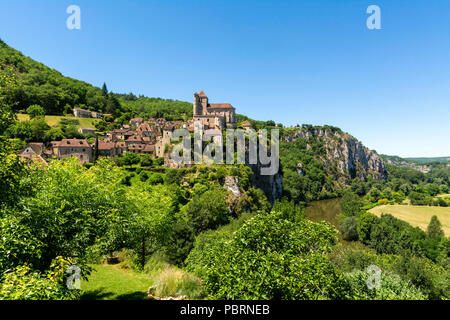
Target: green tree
{"x":350,"y":204}
{"x":208,"y":210}
{"x":434,"y":229}
{"x":270,"y":257}
{"x":348,"y":228}
{"x":104,"y":89}
{"x":35,"y":111}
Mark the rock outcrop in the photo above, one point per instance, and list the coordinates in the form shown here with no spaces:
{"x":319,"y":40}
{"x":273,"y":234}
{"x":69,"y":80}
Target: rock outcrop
{"x":342,"y":152}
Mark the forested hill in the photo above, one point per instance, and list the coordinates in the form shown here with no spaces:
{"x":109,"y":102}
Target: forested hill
{"x":57,"y":94}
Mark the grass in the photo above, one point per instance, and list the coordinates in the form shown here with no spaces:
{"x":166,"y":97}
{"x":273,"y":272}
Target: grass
{"x":417,"y":216}
{"x":111,"y":282}
{"x":120,"y":282}
{"x":53,"y":121}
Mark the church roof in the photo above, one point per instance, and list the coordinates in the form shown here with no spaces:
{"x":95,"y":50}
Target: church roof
{"x":220,"y":106}
{"x":202,"y":94}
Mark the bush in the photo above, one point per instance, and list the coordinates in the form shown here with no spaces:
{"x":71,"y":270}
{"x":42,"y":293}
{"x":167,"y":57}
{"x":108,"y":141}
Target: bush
{"x":364,"y":227}
{"x":348,"y":228}
{"x":155,"y":178}
{"x":350,"y":204}
{"x":391,"y":287}
{"x":208,"y":210}
{"x":270,"y":257}
{"x":35,"y":111}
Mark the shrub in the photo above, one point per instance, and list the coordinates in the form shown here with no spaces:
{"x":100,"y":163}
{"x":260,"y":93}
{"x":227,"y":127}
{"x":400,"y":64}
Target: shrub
{"x":348,"y":228}
{"x":350,"y":204}
{"x":391,"y":287}
{"x":364,"y":227}
{"x":208,"y":210}
{"x":35,"y":111}
{"x":270,"y":257}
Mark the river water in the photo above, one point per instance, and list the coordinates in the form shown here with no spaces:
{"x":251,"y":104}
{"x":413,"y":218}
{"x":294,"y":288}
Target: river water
{"x":324,"y":210}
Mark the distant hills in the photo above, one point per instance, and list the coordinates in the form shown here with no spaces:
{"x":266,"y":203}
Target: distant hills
{"x":429,"y":160}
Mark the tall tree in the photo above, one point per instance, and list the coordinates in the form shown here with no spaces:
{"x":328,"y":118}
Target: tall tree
{"x":104,"y":89}
{"x":434,"y":229}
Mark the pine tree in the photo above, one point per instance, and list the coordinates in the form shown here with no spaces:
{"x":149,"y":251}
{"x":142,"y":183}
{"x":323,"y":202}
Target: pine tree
{"x":434,"y":229}
{"x":104,"y":89}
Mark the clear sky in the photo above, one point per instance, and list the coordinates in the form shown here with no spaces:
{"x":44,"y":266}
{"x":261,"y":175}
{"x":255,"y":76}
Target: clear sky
{"x":293,"y":62}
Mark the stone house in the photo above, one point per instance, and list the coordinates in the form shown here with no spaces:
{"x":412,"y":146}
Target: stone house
{"x":86,"y":130}
{"x":106,"y":149}
{"x":78,"y":148}
{"x":81,"y":113}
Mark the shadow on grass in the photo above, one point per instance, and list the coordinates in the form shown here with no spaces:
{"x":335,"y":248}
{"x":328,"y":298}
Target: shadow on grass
{"x":138,"y":295}
{"x":102,"y":294}
{"x":99,"y":294}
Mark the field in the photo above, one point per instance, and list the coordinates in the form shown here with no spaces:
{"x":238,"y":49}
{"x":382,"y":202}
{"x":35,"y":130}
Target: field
{"x":110,"y":282}
{"x":417,"y":216}
{"x":53,"y":121}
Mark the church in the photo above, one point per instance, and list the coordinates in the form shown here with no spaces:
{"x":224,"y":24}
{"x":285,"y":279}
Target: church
{"x":214,"y":115}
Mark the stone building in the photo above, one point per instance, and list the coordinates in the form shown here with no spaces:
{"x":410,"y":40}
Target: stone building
{"x":218,"y":115}
{"x":81,"y":113}
{"x":78,"y":148}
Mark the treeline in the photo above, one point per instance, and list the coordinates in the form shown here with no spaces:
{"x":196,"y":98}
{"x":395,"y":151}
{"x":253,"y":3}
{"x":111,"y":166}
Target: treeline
{"x":423,"y":258}
{"x":407,"y":183}
{"x":58,"y":95}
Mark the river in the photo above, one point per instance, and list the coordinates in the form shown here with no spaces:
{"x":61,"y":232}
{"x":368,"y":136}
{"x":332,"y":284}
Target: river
{"x":324,"y":210}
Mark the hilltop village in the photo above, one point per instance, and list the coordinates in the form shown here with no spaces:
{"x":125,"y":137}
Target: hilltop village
{"x":140,"y":136}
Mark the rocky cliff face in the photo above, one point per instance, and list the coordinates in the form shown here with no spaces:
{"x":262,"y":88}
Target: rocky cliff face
{"x":271,"y":185}
{"x":342,"y":152}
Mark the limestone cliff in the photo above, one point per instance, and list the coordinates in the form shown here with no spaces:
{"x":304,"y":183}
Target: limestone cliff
{"x":342,"y":155}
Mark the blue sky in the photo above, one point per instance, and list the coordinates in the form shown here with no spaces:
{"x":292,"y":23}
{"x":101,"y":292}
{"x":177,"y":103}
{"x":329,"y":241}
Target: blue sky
{"x":290,"y":61}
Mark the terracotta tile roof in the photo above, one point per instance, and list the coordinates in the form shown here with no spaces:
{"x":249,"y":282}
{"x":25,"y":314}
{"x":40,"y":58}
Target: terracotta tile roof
{"x":36,"y":146}
{"x":73,"y":143}
{"x":202,"y":94}
{"x":105,"y":145}
{"x":134,"y":138}
{"x":149,"y":148}
{"x":220,"y":106}
{"x":144,"y":127}
{"x":136,"y":147}
{"x":246,"y":123}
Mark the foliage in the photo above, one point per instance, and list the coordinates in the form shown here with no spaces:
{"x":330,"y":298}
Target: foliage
{"x":22,"y":283}
{"x":35,"y":111}
{"x":392,"y":287}
{"x":208,"y":210}
{"x":350,"y":204}
{"x":434,"y":229}
{"x":269,"y":257}
{"x":348,"y":228}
